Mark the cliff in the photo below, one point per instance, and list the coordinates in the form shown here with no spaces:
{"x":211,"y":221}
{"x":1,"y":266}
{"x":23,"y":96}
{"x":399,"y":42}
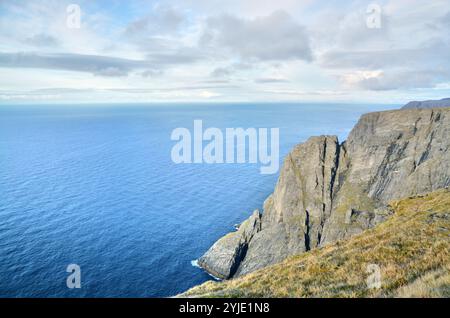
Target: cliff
{"x":329,"y":191}
{"x":445,"y":102}
{"x":411,"y":250}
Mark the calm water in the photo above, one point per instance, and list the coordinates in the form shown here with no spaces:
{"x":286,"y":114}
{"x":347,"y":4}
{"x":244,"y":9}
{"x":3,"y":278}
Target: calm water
{"x":95,"y":186}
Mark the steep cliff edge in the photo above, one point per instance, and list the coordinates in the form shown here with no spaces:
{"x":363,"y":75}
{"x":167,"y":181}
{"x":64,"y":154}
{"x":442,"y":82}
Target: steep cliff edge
{"x":329,"y":191}
{"x":411,"y":251}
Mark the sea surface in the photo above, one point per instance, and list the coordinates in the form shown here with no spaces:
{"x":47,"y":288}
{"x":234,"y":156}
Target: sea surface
{"x":95,"y":185}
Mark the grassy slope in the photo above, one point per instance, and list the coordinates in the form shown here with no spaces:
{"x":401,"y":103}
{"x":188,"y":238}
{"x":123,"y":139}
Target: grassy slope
{"x":411,"y":248}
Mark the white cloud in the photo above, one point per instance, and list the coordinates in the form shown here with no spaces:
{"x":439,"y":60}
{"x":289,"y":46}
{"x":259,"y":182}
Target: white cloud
{"x":215,"y":50}
{"x":274,"y":37}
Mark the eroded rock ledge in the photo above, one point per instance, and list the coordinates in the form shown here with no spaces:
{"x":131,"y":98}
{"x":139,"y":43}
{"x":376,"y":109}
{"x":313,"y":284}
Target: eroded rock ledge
{"x":329,"y":191}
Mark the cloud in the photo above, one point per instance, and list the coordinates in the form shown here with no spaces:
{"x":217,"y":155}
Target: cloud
{"x":43,"y":40}
{"x":409,"y":51}
{"x":270,"y":80}
{"x":395,"y":79}
{"x":200,"y":92}
{"x":432,"y":54}
{"x":95,"y":64}
{"x":221,"y":72}
{"x":208,"y":94}
{"x":445,"y":20}
{"x":229,"y":70}
{"x":172,"y":89}
{"x":273,"y":37}
{"x":420,"y":67}
{"x":270,"y":49}
{"x":27,"y":97}
{"x":162,"y":37}
{"x":152,"y":73}
{"x":175,"y":57}
{"x":161,"y":21}
{"x":161,"y":30}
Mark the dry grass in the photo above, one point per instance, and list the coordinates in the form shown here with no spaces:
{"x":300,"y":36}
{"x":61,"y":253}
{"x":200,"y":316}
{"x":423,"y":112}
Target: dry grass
{"x":411,"y":249}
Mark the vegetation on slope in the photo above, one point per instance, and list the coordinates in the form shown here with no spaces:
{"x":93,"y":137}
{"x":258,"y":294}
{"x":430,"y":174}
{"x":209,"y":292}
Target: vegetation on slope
{"x":411,"y":249}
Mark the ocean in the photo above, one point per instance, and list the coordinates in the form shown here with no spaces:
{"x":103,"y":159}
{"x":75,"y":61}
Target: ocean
{"x":94,"y":185}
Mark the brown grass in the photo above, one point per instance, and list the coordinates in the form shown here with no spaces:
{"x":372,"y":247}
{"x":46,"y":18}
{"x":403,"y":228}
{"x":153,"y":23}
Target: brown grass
{"x":411,"y":249}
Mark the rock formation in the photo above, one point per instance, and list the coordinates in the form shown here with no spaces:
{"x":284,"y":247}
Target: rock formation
{"x":329,"y":191}
{"x":445,"y":102}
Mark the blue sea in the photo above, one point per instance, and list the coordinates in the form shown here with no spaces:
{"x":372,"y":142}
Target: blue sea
{"x":95,"y":185}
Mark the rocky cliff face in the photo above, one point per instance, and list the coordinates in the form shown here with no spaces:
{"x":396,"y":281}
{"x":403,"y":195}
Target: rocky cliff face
{"x":329,"y":191}
{"x":445,"y":102}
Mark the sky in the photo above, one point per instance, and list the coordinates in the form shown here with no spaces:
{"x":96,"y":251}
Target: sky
{"x":60,"y":51}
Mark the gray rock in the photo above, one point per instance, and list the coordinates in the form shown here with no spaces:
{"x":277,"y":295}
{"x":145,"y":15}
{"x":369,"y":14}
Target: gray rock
{"x":445,"y":102}
{"x":223,"y":258}
{"x":329,"y":191}
{"x":392,"y":155}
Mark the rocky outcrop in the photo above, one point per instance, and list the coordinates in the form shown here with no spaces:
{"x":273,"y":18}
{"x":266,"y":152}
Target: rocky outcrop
{"x":389,"y":155}
{"x":412,"y":249}
{"x":329,"y":191}
{"x":445,"y":102}
{"x":224,"y":257}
